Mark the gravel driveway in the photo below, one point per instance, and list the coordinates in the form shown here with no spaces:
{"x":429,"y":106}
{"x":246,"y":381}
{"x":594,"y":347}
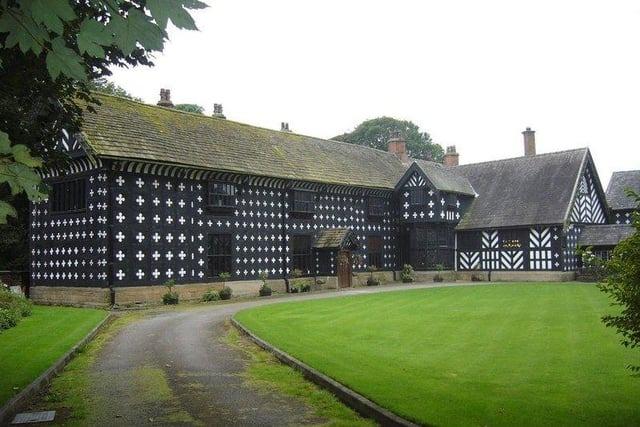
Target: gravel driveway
{"x":176,"y":368}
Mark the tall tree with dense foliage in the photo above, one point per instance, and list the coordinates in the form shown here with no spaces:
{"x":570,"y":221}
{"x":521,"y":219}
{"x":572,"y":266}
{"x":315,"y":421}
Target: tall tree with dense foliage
{"x":623,"y":286}
{"x":49,"y":52}
{"x":190,"y":108}
{"x":105,"y":86}
{"x":376,"y":132}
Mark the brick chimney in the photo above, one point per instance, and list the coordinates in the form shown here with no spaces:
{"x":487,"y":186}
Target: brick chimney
{"x":165,"y":98}
{"x":451,"y":156}
{"x":217,"y":111}
{"x":529,"y":142}
{"x":284,"y":127}
{"x":398,"y":146}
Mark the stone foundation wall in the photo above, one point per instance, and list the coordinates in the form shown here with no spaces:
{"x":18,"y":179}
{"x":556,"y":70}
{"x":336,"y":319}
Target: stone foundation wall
{"x":519,"y":276}
{"x":68,"y":295}
{"x":192,"y":292}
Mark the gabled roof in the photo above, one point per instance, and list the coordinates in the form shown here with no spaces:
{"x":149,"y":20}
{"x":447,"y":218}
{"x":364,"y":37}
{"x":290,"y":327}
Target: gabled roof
{"x":126,"y":129}
{"x":522,"y":191}
{"x":442,"y":178}
{"x":604,"y":234}
{"x":619,"y":183}
{"x":335,"y":238}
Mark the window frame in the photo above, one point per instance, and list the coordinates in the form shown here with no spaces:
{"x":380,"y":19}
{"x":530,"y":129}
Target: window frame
{"x":374,"y":209}
{"x":302,"y":206}
{"x":225,"y":259}
{"x":302,"y":261}
{"x":68,"y":204}
{"x":228,"y":199}
{"x":418,"y":193}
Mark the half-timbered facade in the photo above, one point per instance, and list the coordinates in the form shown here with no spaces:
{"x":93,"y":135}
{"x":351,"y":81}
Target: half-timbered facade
{"x":153,"y":194}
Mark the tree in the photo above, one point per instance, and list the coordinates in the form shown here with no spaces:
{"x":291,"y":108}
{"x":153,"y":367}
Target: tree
{"x":375,"y":133}
{"x":49,"y":51}
{"x":103,"y":85}
{"x":190,"y":108}
{"x":623,"y":285}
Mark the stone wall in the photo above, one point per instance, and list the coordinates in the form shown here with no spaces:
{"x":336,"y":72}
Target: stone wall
{"x":69,"y":295}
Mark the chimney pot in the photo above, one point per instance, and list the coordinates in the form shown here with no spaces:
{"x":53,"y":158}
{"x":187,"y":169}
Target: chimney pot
{"x":529,"y":142}
{"x":217,"y":111}
{"x":451,"y":157}
{"x":165,"y":98}
{"x":284,"y":127}
{"x":398,"y":146}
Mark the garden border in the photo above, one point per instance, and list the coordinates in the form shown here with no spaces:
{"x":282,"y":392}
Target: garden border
{"x":355,"y":401}
{"x":20,"y":400}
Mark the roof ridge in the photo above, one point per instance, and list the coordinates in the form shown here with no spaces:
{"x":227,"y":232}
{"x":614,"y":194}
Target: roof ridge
{"x":173,"y":110}
{"x":520,"y":157}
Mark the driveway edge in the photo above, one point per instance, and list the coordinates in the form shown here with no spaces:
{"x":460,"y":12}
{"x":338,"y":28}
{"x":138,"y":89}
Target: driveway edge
{"x":355,"y":401}
{"x":20,"y":400}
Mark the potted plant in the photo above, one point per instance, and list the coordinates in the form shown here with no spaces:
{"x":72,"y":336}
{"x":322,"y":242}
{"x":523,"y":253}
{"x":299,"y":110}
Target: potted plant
{"x":265,"y":290}
{"x":407,"y":274}
{"x":170,"y":297}
{"x":372,"y":281}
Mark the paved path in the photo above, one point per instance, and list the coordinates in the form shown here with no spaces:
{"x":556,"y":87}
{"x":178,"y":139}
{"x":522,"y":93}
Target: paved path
{"x":175,"y":368}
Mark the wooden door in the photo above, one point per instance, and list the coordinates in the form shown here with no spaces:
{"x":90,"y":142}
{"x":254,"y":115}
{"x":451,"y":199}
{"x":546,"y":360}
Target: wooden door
{"x":344,"y":269}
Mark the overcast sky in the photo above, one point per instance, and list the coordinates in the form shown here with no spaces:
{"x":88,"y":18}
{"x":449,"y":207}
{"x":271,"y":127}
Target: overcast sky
{"x":473,"y":74}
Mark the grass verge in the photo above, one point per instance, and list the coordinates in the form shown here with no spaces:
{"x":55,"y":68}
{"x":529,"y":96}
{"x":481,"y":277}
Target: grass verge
{"x":266,"y":373}
{"x":69,"y":393}
{"x":39,"y":340}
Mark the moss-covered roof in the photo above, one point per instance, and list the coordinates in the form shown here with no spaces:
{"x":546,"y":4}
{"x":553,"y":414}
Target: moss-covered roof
{"x":121,"y":128}
{"x":332,"y":238}
{"x":445,"y":179}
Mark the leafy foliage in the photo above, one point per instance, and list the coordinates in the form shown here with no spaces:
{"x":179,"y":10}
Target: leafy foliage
{"x":375,"y":133}
{"x":210,"y":295}
{"x":407,"y":275}
{"x":13,"y":307}
{"x":171,"y":297}
{"x":103,"y":85}
{"x":623,"y":285}
{"x":226,"y":293}
{"x":190,"y":108}
{"x":49,"y":51}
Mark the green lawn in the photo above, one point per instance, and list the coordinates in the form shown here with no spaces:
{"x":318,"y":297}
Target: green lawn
{"x":520,"y":354}
{"x":30,"y":348}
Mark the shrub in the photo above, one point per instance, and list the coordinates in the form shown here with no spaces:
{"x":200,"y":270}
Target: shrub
{"x":438,"y":278}
{"x":407,"y":274}
{"x":210,"y":296}
{"x":225,"y":293}
{"x":265,"y":290}
{"x":15,"y":302}
{"x":170,"y":297}
{"x":372,"y":281}
{"x":306,"y":287}
{"x":8,"y":318}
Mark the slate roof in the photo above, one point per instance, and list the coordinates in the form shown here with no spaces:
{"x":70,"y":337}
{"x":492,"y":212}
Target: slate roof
{"x":445,"y":179}
{"x":522,"y":191}
{"x":619,"y":183}
{"x":604,"y":234}
{"x":127,"y":129}
{"x":333,"y":238}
